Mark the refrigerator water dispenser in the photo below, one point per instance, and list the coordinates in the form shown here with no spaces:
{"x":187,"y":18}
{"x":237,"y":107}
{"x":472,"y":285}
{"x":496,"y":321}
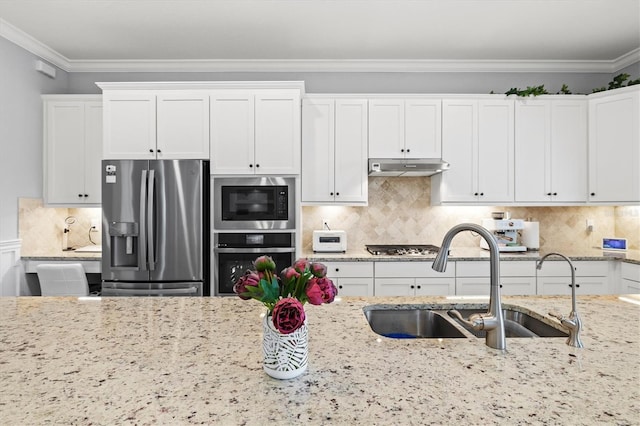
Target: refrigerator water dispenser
{"x":124,"y":244}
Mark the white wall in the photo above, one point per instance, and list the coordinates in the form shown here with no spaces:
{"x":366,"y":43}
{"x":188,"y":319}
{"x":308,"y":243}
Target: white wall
{"x":21,"y":130}
{"x":374,"y":82}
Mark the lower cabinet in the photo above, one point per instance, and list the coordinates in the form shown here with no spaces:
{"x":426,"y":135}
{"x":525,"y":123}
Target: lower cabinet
{"x":413,"y":279}
{"x":516,"y":278}
{"x":630,"y":278}
{"x":592,"y":277}
{"x":351,"y":278}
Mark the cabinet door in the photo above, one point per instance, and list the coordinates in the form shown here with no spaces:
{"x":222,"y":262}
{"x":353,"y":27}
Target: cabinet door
{"x":351,"y":174}
{"x":183,"y":125}
{"x":561,"y":285}
{"x":495,"y":151}
{"x":460,"y":149}
{"x":395,"y":287}
{"x":568,"y":157}
{"x":614,"y":151}
{"x":532,"y":151}
{"x":64,"y":140}
{"x":435,"y":286}
{"x":386,"y":128}
{"x":129,"y":125}
{"x":232,"y":133}
{"x":277,"y":132}
{"x":423,"y":128}
{"x":354,"y":286}
{"x":92,"y":152}
{"x":318,"y":150}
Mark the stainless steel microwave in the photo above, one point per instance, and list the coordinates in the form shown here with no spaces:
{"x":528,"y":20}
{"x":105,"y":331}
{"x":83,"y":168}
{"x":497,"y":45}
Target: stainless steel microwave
{"x":241,"y":203}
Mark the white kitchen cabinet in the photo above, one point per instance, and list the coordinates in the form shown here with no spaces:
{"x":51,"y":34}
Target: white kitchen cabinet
{"x":351,"y":278}
{"x":72,"y":149}
{"x":129,"y":125}
{"x":156,"y":124}
{"x":630,"y":278}
{"x":592,"y":277}
{"x":551,"y":150}
{"x":413,"y":279}
{"x":182,"y":125}
{"x":334,"y":151}
{"x":516,"y":277}
{"x":478,"y":142}
{"x":405,"y":128}
{"x":614,"y":146}
{"x":255,"y":132}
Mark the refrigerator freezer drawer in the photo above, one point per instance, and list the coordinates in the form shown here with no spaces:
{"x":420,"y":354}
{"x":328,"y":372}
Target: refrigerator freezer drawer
{"x":152,"y":289}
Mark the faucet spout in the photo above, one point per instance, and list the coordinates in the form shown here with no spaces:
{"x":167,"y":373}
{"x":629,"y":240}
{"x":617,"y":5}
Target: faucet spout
{"x":493,"y":321}
{"x":573,"y":323}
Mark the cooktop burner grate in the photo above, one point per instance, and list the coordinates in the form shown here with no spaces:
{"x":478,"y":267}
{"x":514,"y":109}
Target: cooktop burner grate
{"x":402,"y":249}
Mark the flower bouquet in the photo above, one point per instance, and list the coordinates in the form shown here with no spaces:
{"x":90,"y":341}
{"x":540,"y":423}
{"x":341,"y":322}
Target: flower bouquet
{"x":285,"y":330}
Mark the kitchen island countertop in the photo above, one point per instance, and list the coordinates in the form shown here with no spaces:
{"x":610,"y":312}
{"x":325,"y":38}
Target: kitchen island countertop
{"x":198,"y":361}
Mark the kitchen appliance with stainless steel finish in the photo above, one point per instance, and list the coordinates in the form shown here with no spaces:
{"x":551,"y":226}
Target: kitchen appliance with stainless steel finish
{"x":402,"y":249}
{"x":406,"y":167}
{"x":507,"y":233}
{"x":235,"y":252}
{"x":245,"y":203}
{"x":156,"y":232}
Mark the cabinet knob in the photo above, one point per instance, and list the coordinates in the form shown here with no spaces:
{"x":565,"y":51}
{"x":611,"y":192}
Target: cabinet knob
{"x":593,"y":194}
{"x":80,"y":195}
{"x":159,"y":151}
{"x":331,"y":193}
{"x":413,"y":286}
{"x":402,"y":150}
{"x":151,"y":150}
{"x":250,"y":166}
{"x":408,"y":150}
{"x":337,"y":269}
{"x":339,"y":286}
{"x":86,"y":195}
{"x":475,"y":194}
{"x":337,"y":194}
{"x":555,"y":193}
{"x":257,"y":165}
{"x":548,"y":193}
{"x":482,"y":194}
{"x":419,"y":287}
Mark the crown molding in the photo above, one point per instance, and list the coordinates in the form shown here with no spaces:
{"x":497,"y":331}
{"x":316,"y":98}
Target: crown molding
{"x":30,"y":44}
{"x":43,"y":51}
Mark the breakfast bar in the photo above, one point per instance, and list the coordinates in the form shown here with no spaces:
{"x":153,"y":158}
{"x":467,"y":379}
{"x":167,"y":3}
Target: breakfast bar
{"x":198,"y":361}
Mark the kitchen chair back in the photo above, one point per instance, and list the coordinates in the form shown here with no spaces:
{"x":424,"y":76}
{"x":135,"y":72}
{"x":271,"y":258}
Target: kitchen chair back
{"x":62,"y":280}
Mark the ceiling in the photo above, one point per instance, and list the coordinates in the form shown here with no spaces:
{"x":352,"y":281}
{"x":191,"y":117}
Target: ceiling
{"x":327,"y":35}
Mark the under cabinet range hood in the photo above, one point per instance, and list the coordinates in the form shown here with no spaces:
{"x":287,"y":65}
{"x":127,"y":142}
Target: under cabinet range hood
{"x":406,"y":167}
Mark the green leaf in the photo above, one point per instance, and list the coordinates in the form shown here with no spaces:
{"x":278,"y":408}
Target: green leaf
{"x":271,"y":289}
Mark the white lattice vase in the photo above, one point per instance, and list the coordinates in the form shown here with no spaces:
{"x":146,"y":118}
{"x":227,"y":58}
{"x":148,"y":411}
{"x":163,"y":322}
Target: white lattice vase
{"x":285,"y":355}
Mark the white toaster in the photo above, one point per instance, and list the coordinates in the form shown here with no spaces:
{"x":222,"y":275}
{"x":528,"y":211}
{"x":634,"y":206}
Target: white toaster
{"x":329,"y":241}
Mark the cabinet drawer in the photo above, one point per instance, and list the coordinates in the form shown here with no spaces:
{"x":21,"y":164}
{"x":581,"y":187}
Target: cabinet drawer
{"x":411,"y":270}
{"x":525,"y":268}
{"x":354,"y":286}
{"x":553,"y":268}
{"x":349,"y":269}
{"x":629,"y":271}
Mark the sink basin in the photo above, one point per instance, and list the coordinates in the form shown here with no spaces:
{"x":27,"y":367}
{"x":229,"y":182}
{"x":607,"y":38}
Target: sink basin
{"x":411,"y":323}
{"x":516,"y":324}
{"x":433,"y":322}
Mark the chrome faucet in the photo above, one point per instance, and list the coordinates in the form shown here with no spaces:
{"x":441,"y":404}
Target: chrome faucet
{"x":493,"y":321}
{"x":573,"y":323}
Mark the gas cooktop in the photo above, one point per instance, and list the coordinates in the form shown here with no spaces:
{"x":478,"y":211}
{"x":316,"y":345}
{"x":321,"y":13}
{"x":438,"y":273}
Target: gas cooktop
{"x":402,"y":249}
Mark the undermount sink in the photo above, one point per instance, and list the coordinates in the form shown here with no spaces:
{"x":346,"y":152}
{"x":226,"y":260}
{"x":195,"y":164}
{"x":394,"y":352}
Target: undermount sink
{"x":516,"y":324}
{"x":411,"y":323}
{"x":429,"y":321}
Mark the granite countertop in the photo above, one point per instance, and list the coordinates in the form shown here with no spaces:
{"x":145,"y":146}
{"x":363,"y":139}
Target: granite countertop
{"x":476,"y":253}
{"x":177,"y":361}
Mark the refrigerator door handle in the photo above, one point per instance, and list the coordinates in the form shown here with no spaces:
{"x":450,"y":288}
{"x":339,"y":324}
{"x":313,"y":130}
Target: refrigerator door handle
{"x":142,"y":246}
{"x":150,"y":220}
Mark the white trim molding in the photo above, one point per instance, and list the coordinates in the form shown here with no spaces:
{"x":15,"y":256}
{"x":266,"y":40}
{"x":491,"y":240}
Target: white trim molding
{"x":10,"y":267}
{"x":45,"y":52}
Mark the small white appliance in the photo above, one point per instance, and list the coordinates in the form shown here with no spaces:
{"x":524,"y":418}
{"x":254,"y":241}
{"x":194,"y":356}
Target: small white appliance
{"x":327,"y":241}
{"x":609,"y":243}
{"x":506,"y":232}
{"x":531,"y":235}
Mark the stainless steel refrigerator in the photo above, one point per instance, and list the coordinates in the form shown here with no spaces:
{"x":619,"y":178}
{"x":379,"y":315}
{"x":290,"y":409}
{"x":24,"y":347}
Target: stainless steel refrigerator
{"x":155,"y":228}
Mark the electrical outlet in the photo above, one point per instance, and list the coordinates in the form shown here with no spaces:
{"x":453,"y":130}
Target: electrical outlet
{"x":95,"y":224}
{"x":590,"y":225}
{"x":325,"y":224}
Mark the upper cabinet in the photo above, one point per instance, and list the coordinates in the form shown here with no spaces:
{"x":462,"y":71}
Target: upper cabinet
{"x":334,"y":151}
{"x":242,"y":127}
{"x":72,"y":149}
{"x":255,"y":132}
{"x":614,"y":146}
{"x":478,"y":142}
{"x":551,"y":150}
{"x":156,"y":125}
{"x":405,"y":128}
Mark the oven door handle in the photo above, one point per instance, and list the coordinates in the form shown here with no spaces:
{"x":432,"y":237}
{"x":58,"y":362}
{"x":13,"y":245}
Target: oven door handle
{"x":256,"y":250}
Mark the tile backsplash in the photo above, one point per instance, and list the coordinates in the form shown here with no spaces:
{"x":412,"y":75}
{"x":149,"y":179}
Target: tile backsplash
{"x":41,"y":228}
{"x":399,"y":211}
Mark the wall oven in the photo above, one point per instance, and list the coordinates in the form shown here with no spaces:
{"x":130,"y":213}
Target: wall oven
{"x":234,"y":253}
{"x":247,"y":203}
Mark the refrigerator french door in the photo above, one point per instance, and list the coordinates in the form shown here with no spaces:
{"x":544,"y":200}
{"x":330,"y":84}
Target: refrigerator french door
{"x":155,"y":228}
